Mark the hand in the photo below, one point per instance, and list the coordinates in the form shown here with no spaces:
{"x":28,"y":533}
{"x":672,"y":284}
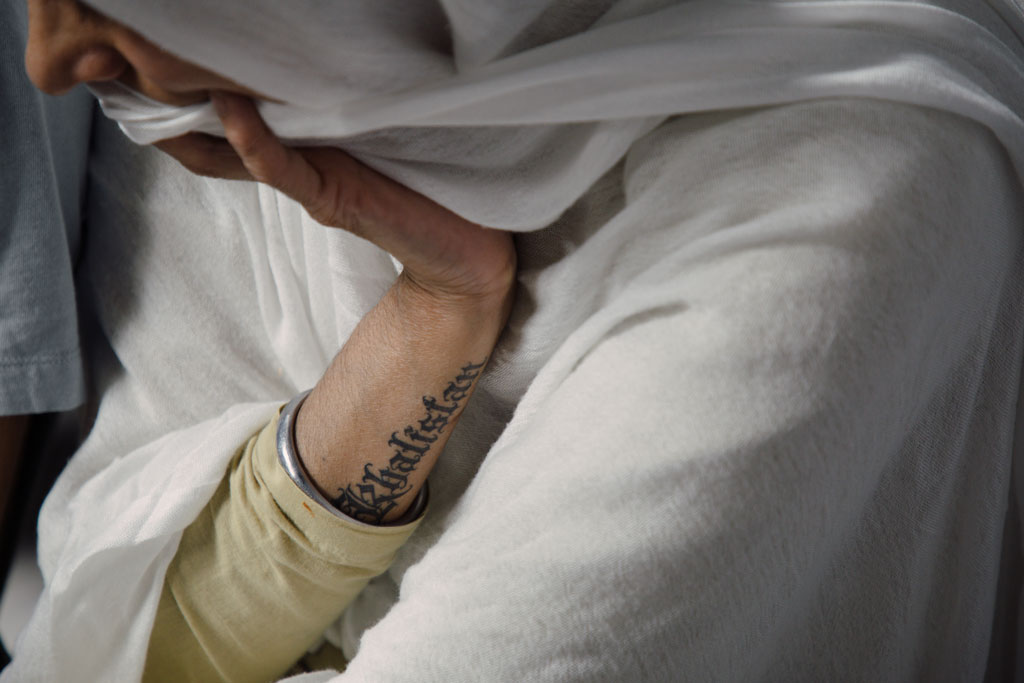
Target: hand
{"x":441,"y":318}
{"x":443,"y":254}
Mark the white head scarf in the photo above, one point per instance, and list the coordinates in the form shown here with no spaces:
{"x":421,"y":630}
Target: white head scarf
{"x":507,"y":111}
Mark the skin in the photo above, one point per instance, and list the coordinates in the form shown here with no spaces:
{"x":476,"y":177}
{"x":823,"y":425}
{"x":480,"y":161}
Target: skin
{"x":444,"y":312}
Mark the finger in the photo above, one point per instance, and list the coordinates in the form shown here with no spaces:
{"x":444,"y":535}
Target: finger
{"x":205,"y":155}
{"x":263,"y":155}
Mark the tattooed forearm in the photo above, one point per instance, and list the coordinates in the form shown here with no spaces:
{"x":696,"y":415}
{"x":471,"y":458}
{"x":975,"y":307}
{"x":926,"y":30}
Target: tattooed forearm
{"x":378,"y":491}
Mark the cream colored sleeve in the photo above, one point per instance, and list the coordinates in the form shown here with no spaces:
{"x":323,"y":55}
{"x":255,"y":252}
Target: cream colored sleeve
{"x":259,"y":575}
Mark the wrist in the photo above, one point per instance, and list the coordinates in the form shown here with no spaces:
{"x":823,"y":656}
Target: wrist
{"x":480,"y":271}
{"x":484,"y":310}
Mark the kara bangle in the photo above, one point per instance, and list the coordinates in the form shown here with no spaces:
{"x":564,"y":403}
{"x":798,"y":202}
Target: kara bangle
{"x":288,"y":456}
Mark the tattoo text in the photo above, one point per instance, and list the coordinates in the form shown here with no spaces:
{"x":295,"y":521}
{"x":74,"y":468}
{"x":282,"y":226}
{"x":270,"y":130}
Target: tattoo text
{"x":380,"y":488}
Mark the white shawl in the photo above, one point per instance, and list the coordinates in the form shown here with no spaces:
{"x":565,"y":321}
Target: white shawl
{"x":510,"y":132}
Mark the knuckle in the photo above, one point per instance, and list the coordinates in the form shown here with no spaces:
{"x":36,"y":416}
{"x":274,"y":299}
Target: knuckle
{"x":260,"y":170}
{"x":351,"y":201}
{"x":324,"y":211}
{"x":248,"y":143}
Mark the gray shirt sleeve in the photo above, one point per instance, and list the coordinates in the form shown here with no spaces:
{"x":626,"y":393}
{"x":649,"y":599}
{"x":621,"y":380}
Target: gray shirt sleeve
{"x":44,"y":146}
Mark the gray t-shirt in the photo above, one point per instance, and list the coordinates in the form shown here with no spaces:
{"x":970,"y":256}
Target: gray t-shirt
{"x":42,"y":183}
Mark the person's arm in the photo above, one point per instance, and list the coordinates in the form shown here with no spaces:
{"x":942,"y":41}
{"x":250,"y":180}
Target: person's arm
{"x":373,"y":427}
{"x":255,"y":581}
{"x":375,"y":423}
{"x":264,"y":570}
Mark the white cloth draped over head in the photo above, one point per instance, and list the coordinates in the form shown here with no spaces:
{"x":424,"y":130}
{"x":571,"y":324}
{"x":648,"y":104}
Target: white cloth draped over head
{"x":507,"y":112}
{"x":528,"y":102}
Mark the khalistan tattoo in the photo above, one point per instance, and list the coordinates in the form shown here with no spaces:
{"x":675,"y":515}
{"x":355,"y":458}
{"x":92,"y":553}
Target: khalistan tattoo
{"x":381,"y":487}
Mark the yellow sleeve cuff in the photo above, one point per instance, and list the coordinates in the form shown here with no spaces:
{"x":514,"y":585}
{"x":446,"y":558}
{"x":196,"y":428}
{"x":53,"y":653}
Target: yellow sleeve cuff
{"x":335,"y":538}
{"x":260,"y":574}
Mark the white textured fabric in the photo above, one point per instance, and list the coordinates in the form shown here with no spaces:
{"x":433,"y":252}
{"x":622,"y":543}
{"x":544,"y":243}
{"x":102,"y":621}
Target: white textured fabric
{"x":751,"y":420}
